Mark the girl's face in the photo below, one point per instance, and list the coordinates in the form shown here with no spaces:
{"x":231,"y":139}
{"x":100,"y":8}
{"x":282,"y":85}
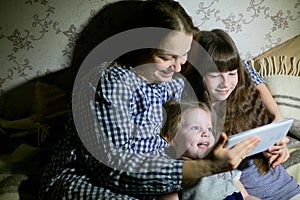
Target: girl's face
{"x":221,"y":84}
{"x":172,"y":54}
{"x":194,"y":137}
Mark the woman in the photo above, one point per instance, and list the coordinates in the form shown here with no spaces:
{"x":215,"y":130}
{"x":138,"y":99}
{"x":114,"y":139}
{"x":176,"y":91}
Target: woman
{"x":119,"y":153}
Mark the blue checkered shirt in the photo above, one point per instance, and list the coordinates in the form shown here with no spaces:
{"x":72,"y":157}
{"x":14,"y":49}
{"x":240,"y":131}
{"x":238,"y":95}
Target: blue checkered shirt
{"x":124,"y":157}
{"x":254,"y":75}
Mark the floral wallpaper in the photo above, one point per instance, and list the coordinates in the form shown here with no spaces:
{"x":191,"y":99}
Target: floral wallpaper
{"x":37,"y":36}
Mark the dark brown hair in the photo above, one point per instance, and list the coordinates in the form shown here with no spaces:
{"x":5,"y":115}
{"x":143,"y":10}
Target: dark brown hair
{"x":167,"y":14}
{"x":120,"y":16}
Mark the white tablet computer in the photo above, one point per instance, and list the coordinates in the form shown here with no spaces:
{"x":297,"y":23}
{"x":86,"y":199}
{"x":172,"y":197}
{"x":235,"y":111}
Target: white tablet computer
{"x":269,"y":134}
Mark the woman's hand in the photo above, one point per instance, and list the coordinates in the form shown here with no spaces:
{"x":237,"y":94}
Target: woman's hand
{"x":278,"y":153}
{"x":228,"y":159}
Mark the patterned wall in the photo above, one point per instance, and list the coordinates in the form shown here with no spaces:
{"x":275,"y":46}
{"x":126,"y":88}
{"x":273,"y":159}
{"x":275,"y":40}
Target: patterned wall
{"x":37,"y":36}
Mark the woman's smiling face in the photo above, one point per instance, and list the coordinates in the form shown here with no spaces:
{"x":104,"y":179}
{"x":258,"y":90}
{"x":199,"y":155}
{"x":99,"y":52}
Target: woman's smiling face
{"x":168,"y":59}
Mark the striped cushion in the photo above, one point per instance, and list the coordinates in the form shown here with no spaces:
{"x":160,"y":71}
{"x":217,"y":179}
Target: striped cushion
{"x":286,"y":92}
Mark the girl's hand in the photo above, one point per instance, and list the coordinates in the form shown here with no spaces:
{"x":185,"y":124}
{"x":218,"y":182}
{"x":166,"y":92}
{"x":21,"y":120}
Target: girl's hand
{"x":278,"y":153}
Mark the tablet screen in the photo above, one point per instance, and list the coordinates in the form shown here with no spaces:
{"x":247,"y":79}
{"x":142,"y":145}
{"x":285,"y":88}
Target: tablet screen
{"x":269,"y":134}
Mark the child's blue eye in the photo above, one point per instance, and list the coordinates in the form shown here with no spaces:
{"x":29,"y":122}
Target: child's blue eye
{"x":199,"y":130}
{"x":195,"y":128}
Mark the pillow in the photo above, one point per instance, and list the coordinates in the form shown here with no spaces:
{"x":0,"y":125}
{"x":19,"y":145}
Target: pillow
{"x":280,"y":67}
{"x":280,"y":59}
{"x":286,"y":92}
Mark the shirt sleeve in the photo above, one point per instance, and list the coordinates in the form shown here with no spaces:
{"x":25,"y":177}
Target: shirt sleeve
{"x":254,"y":75}
{"x":175,"y":88}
